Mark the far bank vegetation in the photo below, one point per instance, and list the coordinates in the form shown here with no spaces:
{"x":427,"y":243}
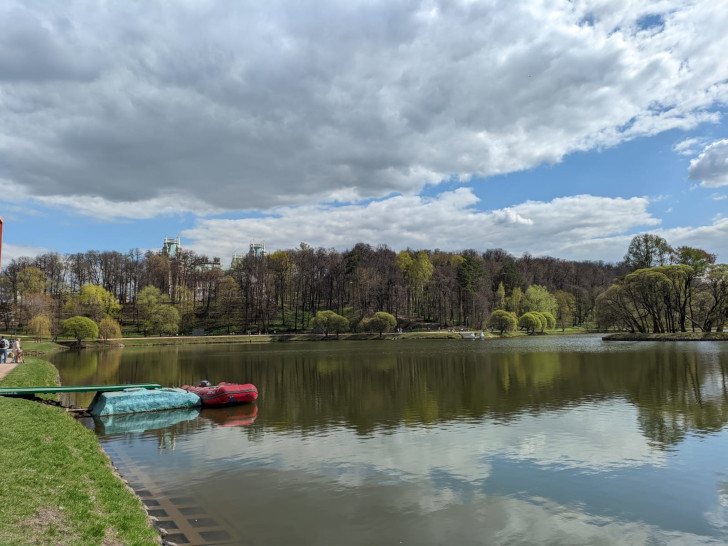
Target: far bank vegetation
{"x":656,"y":288}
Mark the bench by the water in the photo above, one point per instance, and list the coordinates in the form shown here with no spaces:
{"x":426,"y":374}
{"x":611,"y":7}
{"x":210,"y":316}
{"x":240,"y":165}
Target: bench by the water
{"x":29,"y":391}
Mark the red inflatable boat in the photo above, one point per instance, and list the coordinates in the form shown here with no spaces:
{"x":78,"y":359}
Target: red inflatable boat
{"x":223,"y":394}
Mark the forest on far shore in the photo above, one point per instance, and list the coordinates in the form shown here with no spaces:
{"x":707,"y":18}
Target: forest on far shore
{"x":656,"y":288}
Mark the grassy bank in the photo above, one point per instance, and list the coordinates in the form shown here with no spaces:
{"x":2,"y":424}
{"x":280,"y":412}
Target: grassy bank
{"x":56,"y":485}
{"x":677,"y":336}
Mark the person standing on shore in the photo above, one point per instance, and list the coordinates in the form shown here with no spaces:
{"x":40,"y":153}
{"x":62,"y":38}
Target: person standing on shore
{"x":17,"y":350}
{"x":3,"y":350}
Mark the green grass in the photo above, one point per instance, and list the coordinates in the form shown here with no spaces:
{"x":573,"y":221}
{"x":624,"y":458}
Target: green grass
{"x":34,"y":372}
{"x":56,"y":484}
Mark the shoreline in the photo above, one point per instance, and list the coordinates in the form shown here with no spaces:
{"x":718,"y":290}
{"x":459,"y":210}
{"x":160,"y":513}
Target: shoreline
{"x":675,"y":336}
{"x":89,"y":502}
{"x":292,"y":338}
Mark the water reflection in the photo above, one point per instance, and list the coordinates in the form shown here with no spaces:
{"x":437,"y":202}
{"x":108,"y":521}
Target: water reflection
{"x":234,"y":416}
{"x":676,"y":388}
{"x":139,"y":422}
{"x":540,"y":441}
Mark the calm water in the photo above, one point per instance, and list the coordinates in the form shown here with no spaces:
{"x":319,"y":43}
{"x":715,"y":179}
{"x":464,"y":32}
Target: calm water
{"x":545,"y":440}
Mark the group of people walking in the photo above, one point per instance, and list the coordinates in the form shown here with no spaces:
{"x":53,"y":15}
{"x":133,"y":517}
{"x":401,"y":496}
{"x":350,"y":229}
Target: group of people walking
{"x":10,"y":349}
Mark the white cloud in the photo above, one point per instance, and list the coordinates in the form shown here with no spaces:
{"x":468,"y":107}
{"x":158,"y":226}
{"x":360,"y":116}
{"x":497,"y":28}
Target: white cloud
{"x":11,"y":251}
{"x":687,"y":146}
{"x":256,"y":105}
{"x":712,"y":237}
{"x":581,"y":226}
{"x":100,"y":208}
{"x":711,"y":166}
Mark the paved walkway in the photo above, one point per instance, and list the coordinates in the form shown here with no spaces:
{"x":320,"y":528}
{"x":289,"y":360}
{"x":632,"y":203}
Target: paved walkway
{"x":5,"y":369}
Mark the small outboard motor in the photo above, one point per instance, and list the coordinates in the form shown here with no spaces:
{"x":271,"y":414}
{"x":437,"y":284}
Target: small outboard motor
{"x":204,"y":383}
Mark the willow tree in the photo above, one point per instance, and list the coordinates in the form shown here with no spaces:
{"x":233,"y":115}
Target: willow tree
{"x":328,"y":321}
{"x":503,"y":321}
{"x":380,"y":322}
{"x":40,"y":327}
{"x":109,"y":328}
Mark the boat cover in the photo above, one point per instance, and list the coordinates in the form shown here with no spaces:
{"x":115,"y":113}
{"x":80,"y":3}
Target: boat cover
{"x":138,"y":400}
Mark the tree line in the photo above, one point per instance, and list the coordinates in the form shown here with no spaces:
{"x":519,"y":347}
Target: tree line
{"x":655,"y":288}
{"x":667,"y":290}
{"x":285,"y":290}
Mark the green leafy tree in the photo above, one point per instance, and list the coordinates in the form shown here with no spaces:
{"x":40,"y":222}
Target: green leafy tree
{"x":328,"y":321}
{"x":647,"y":250}
{"x":156,"y":312}
{"x":550,"y":321}
{"x":80,"y":328}
{"x":404,"y":261}
{"x":614,"y":307}
{"x":509,"y":276}
{"x":657,"y":299}
{"x":40,"y":327}
{"x":109,"y":328}
{"x":417,"y":273}
{"x":503,"y":321}
{"x":697,"y":258}
{"x":499,"y":302}
{"x":566,"y":306}
{"x":31,"y":280}
{"x":93,"y":301}
{"x":514,"y":302}
{"x":716,"y":290}
{"x":530,"y":322}
{"x":380,"y":322}
{"x":539,"y":299}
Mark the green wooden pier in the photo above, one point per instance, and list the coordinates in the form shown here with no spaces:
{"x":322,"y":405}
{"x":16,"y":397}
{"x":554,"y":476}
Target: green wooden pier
{"x":20,"y":392}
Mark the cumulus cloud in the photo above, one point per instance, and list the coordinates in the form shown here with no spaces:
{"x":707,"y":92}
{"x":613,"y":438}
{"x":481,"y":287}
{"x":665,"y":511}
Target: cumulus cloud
{"x":258,"y":105}
{"x":581,"y":226}
{"x":711,"y":166}
{"x":712,"y":237}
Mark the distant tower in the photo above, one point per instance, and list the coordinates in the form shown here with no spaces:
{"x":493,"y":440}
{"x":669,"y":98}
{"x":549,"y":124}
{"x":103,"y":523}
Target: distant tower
{"x":171,"y":247}
{"x":237,"y":258}
{"x":257,"y":249}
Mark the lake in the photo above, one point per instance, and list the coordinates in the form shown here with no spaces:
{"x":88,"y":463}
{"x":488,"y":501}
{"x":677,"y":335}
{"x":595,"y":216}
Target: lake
{"x":538,"y":440}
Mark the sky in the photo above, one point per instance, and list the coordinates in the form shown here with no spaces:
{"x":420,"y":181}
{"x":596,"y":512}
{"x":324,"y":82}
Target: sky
{"x":559,"y":128}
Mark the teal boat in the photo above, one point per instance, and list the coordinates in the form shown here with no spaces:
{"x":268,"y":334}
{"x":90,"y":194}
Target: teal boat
{"x":138,"y":400}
